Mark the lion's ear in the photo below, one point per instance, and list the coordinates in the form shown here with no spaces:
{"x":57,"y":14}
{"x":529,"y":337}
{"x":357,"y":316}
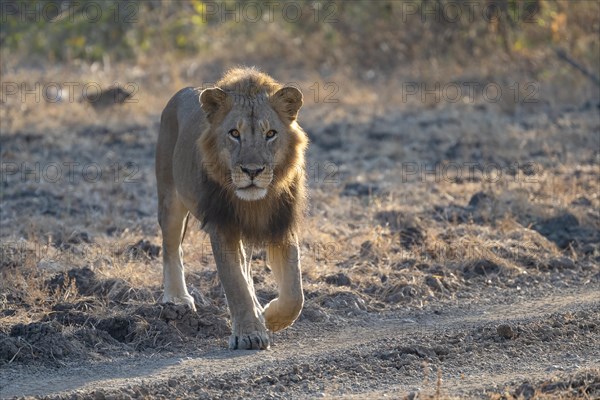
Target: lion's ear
{"x":287,"y":102}
{"x":212,"y":100}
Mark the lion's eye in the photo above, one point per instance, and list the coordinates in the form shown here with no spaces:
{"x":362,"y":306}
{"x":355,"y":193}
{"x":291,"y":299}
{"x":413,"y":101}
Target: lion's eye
{"x":271,"y":134}
{"x":234,"y":133}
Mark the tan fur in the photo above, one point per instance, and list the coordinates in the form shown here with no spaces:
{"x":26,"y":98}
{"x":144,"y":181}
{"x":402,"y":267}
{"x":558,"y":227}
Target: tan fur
{"x":215,"y":160}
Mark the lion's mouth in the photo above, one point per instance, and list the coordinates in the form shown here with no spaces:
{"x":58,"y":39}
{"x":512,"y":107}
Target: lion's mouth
{"x":251,"y":192}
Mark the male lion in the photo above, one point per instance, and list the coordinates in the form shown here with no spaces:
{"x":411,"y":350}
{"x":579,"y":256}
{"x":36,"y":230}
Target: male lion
{"x":233,"y":157}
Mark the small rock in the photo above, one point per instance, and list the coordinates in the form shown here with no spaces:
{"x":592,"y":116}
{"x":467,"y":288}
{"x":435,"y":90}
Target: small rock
{"x":99,"y":395}
{"x":268,"y":379}
{"x":561,"y":263}
{"x":525,"y":391}
{"x":279,"y":387}
{"x":559,"y":229}
{"x":360,"y":369}
{"x":410,"y":229}
{"x":106,"y":98}
{"x":412,"y":396}
{"x":480,"y":267}
{"x":359,"y":189}
{"x":479,"y":198}
{"x":339,"y":279}
{"x":581,"y":201}
{"x":143,"y":248}
{"x":366,"y":249}
{"x":588,"y":249}
{"x":8,"y":312}
{"x":434,"y":283}
{"x":505,"y":331}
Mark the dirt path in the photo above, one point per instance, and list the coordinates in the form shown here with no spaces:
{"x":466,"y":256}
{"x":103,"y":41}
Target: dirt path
{"x":494,"y":282}
{"x":390,"y":352}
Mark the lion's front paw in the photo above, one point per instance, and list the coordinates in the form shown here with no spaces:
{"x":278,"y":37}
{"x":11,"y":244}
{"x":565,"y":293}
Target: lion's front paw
{"x":181,"y":298}
{"x":279,"y":315}
{"x":250,"y":341}
{"x":249,"y":336}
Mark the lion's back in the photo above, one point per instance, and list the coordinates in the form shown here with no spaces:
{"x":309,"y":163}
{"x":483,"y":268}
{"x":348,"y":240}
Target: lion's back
{"x":182,"y":123}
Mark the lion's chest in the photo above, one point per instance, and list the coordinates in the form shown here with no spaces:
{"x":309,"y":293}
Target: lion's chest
{"x":267,"y":220}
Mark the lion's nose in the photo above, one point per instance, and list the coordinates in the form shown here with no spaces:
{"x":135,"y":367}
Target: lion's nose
{"x":252,"y":170}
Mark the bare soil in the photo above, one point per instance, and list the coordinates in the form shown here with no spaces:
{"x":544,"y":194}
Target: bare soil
{"x":429,"y":285}
{"x":515,"y":342}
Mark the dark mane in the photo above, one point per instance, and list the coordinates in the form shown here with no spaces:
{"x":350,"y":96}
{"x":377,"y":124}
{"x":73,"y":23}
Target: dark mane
{"x":276,"y":217}
{"x":269,"y":220}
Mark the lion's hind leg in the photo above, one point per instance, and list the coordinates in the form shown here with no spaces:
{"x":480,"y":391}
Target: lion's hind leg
{"x":172,"y":216}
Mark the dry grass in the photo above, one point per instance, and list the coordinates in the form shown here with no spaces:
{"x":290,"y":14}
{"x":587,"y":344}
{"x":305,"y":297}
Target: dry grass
{"x":339,"y":227}
{"x":390,"y":226}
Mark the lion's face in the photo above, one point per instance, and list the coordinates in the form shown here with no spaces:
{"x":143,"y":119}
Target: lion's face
{"x":252,"y":142}
{"x":253,"y":136}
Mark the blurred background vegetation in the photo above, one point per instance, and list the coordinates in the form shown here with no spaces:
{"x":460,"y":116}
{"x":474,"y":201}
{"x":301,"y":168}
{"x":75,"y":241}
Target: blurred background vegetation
{"x":360,"y":35}
{"x":377,"y":44}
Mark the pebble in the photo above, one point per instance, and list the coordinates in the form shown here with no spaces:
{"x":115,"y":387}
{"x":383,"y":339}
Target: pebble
{"x":360,"y":369}
{"x":505,"y":331}
{"x":561,"y":263}
{"x":99,"y":395}
{"x":412,"y":396}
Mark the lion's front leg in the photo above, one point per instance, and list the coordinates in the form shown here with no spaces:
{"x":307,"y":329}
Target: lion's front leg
{"x":247,"y":322}
{"x":248,"y":274}
{"x":171,"y":216}
{"x":284,"y":260}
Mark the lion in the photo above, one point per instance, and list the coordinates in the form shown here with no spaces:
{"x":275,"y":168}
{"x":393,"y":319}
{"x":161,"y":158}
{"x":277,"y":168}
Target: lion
{"x":232,"y":156}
